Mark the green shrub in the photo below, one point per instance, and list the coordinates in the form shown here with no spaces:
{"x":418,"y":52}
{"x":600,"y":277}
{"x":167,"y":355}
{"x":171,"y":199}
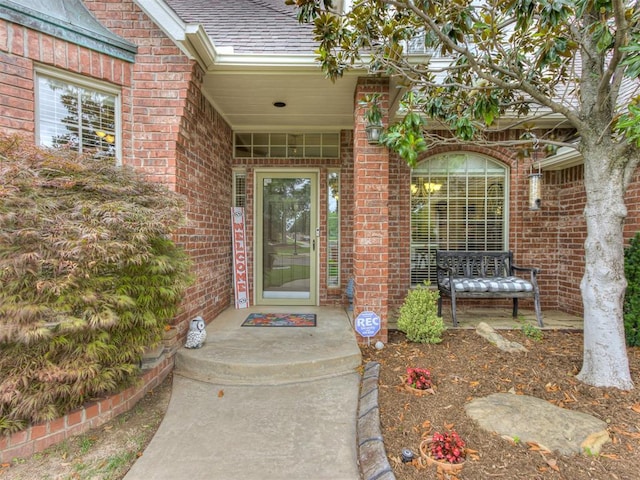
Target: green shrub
{"x":88,"y":278}
{"x":419,"y":318}
{"x":632,"y":294}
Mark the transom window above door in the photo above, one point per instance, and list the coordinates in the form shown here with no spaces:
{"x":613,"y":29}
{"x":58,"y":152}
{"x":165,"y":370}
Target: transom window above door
{"x":286,"y":145}
{"x":458,"y":202}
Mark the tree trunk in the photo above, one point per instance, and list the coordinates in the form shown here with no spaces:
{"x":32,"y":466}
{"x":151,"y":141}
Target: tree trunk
{"x":605,"y":362}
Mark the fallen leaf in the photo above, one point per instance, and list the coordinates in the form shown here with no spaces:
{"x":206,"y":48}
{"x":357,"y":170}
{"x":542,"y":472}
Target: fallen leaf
{"x":611,"y":456}
{"x":625,"y":433}
{"x":474,"y":384}
{"x":551,"y":387}
{"x":472,"y":454}
{"x":636,"y":407}
{"x":220,"y":393}
{"x":552,"y":463}
{"x":536,"y":448}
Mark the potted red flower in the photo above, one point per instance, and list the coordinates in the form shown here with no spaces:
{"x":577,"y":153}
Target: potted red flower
{"x":446,"y":450}
{"x":418,"y":380}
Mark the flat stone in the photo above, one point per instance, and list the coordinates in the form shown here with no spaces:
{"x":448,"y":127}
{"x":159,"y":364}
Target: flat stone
{"x":530,"y":419}
{"x":486,"y":331}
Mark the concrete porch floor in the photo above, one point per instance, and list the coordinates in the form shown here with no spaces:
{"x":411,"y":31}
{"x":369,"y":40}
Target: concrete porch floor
{"x":500,"y":318}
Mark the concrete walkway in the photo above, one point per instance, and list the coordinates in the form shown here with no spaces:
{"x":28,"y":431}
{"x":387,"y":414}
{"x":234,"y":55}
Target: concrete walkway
{"x":262,"y":403}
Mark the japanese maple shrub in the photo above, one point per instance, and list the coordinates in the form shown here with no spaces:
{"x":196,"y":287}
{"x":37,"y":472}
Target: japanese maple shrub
{"x":419,"y":318}
{"x":88,"y":278}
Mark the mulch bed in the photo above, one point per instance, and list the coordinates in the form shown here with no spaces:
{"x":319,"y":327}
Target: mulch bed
{"x":465,"y":366}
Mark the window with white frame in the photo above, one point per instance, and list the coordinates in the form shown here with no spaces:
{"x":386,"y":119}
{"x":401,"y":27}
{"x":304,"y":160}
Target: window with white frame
{"x":333,"y":229}
{"x":458,"y":202}
{"x":73,"y":113}
{"x":239,"y":188}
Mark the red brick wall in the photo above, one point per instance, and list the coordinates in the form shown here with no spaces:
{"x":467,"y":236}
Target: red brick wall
{"x":371,"y":220}
{"x":346,"y":211}
{"x":38,"y":437}
{"x":561,"y":217}
{"x":399,"y":232}
{"x":175,"y":136}
{"x":170,"y":132}
{"x":20,"y":48}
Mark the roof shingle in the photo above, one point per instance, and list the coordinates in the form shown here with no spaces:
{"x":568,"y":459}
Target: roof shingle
{"x":249,"y":26}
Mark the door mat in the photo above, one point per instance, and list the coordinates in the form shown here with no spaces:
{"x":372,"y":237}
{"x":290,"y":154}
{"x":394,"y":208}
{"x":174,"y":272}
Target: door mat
{"x":280,"y":320}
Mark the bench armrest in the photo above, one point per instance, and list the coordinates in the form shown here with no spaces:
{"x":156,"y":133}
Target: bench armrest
{"x":534,"y":272}
{"x":449,"y":272}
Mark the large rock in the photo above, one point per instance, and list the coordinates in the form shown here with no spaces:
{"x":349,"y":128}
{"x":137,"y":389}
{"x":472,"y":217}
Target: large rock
{"x":488,"y":332}
{"x":530,"y":419}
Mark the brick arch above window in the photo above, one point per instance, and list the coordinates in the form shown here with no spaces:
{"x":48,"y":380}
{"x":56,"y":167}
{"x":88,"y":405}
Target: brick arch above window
{"x":458,"y":202}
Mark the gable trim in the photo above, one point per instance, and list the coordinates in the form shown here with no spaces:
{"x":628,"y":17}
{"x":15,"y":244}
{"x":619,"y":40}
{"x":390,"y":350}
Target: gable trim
{"x":93,"y":35}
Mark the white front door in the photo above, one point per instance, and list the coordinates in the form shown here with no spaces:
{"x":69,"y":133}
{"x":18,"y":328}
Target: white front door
{"x":286,"y":241}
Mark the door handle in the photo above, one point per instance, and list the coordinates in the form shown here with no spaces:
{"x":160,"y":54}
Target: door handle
{"x":313,"y":243}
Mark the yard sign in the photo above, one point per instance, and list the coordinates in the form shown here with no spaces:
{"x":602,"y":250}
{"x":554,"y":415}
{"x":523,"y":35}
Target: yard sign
{"x":239,"y":258}
{"x":367,"y":324}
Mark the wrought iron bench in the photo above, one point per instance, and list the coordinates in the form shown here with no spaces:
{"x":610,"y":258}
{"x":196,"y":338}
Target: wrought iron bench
{"x":464,"y":274}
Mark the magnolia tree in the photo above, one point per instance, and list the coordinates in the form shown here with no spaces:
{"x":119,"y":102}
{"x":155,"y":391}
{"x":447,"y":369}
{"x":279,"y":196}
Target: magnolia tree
{"x":494,"y":65}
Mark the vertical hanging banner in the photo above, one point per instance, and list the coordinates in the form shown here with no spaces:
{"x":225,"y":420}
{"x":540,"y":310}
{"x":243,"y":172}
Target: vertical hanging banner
{"x":241,"y":285}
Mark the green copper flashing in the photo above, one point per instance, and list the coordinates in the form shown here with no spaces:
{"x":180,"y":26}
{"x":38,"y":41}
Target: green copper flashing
{"x":68,"y":20}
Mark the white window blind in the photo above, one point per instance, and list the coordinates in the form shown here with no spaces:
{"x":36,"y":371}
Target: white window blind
{"x":76,"y":117}
{"x":333,"y":229}
{"x":457,"y":203}
{"x":239,"y":189}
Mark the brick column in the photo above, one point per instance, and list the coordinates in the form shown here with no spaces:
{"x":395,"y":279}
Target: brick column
{"x":371,"y":212}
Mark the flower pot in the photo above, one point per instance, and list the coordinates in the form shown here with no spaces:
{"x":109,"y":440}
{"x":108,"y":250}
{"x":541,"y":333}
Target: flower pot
{"x":442,"y":466}
{"x":416,"y":391}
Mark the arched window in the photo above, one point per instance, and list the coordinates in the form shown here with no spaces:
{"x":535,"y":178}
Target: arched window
{"x":458,"y":202}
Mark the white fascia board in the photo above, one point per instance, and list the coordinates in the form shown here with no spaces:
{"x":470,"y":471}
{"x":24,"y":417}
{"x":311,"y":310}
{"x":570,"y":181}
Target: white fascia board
{"x":264,"y":60}
{"x":180,"y":33}
{"x":565,"y":157}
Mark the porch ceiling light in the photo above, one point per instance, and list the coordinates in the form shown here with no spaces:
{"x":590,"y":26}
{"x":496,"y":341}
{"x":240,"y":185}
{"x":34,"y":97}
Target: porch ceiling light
{"x":279,"y":104}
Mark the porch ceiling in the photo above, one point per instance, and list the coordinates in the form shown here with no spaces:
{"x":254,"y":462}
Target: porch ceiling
{"x":245,"y":98}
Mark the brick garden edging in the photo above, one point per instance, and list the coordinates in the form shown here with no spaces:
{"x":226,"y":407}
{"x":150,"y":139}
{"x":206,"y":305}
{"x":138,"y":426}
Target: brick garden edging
{"x":371,"y":452}
{"x":38,"y":437}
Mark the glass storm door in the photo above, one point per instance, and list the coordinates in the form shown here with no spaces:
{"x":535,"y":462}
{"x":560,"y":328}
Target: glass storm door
{"x":286,"y":241}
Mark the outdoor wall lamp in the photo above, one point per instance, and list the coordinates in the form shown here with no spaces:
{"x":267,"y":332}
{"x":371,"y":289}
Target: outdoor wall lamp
{"x":535,"y":190}
{"x":373,"y":133}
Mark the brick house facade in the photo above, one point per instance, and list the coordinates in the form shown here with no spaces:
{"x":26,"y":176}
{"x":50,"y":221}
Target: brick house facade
{"x":172,"y":132}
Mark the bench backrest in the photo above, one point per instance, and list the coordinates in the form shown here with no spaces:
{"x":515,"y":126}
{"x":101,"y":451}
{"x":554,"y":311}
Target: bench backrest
{"x":474,"y":264}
